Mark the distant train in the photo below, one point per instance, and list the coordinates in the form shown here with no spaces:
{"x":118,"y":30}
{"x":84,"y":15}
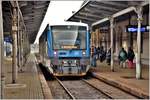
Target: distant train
{"x":65,"y":49}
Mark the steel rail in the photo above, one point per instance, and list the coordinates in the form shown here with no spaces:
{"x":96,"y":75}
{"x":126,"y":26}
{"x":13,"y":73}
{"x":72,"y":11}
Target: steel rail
{"x":72,"y":97}
{"x":102,"y":80}
{"x":105,"y":93}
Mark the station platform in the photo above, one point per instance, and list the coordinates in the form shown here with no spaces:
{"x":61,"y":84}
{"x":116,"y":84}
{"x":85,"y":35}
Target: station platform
{"x":30,"y":82}
{"x":124,"y":78}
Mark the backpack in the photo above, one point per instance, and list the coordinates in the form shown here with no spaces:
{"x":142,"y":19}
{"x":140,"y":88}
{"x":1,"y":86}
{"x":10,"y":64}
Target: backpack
{"x":122,"y":56}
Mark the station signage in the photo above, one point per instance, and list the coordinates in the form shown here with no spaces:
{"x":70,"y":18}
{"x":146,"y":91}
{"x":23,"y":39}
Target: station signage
{"x":134,"y":28}
{"x":8,"y":39}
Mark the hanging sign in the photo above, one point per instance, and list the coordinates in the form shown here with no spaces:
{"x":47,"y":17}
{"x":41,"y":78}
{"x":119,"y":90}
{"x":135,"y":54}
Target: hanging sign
{"x":8,"y":39}
{"x":134,"y":28}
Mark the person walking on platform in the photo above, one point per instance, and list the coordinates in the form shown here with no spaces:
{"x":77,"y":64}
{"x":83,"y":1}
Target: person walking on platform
{"x":98,"y":52}
{"x":122,"y":57}
{"x":94,"y":58}
{"x":102,"y":54}
{"x":130,"y":56}
{"x":108,"y":56}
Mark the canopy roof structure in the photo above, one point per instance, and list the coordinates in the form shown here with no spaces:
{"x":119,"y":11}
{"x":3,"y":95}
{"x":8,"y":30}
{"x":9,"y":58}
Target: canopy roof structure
{"x":93,"y":12}
{"x":32,"y":12}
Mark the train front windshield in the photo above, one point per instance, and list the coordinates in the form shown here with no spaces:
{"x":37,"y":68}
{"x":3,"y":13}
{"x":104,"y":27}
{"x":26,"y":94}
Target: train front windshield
{"x":69,"y":37}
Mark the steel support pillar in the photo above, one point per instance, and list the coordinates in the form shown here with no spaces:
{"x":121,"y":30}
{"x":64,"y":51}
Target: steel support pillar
{"x":19,"y":52}
{"x":138,"y":56}
{"x":19,"y":48}
{"x":14,"y":38}
{"x":1,"y":54}
{"x":26,"y":47}
{"x":22,"y":48}
{"x":117,"y":44}
{"x":111,"y":45}
{"x":107,"y":41}
{"x":28,"y":44}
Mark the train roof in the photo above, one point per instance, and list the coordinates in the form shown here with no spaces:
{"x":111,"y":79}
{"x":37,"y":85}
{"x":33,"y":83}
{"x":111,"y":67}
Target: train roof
{"x":68,"y":23}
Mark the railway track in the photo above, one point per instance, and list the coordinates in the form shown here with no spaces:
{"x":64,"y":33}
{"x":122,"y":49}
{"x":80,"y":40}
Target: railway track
{"x":110,"y":91}
{"x":85,"y":88}
{"x":67,"y":91}
{"x":78,"y":89}
{"x":58,"y":92}
{"x":91,"y":89}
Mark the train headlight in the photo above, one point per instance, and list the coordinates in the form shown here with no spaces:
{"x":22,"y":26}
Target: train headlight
{"x":83,"y":52}
{"x":54,"y":52}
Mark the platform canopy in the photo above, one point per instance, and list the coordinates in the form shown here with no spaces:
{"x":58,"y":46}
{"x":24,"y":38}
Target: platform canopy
{"x":92,"y":12}
{"x":33,"y":13}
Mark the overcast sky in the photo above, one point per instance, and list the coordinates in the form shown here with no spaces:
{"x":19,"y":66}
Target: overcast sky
{"x":58,"y":11}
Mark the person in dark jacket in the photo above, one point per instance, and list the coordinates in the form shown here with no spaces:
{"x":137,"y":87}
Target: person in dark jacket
{"x":130,"y":56}
{"x":108,"y":56}
{"x":122,"y":57}
{"x":98,"y":52}
{"x":102,"y":54}
{"x":94,"y":58}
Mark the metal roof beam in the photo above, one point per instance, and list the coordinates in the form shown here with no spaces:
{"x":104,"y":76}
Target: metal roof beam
{"x":103,"y":7}
{"x":133,"y":3}
{"x":115,"y":15}
{"x":41,"y":3}
{"x":121,"y":4}
{"x":103,"y":12}
{"x":82,"y":20}
{"x":39,"y":6}
{"x":96,"y":14}
{"x":31,"y":23}
{"x":145,"y":2}
{"x":124,"y":12}
{"x":88,"y":14}
{"x":23,"y":3}
{"x":32,"y":10}
{"x":100,"y":21}
{"x":33,"y":19}
{"x":81,"y":17}
{"x":32,"y":28}
{"x":34,"y":14}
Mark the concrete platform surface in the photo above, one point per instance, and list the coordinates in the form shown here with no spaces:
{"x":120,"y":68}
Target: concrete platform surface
{"x":124,"y":78}
{"x":28,"y":83}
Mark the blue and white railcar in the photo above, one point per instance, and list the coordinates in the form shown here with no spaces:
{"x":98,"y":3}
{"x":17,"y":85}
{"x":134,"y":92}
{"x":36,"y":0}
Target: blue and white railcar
{"x":65,"y":48}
